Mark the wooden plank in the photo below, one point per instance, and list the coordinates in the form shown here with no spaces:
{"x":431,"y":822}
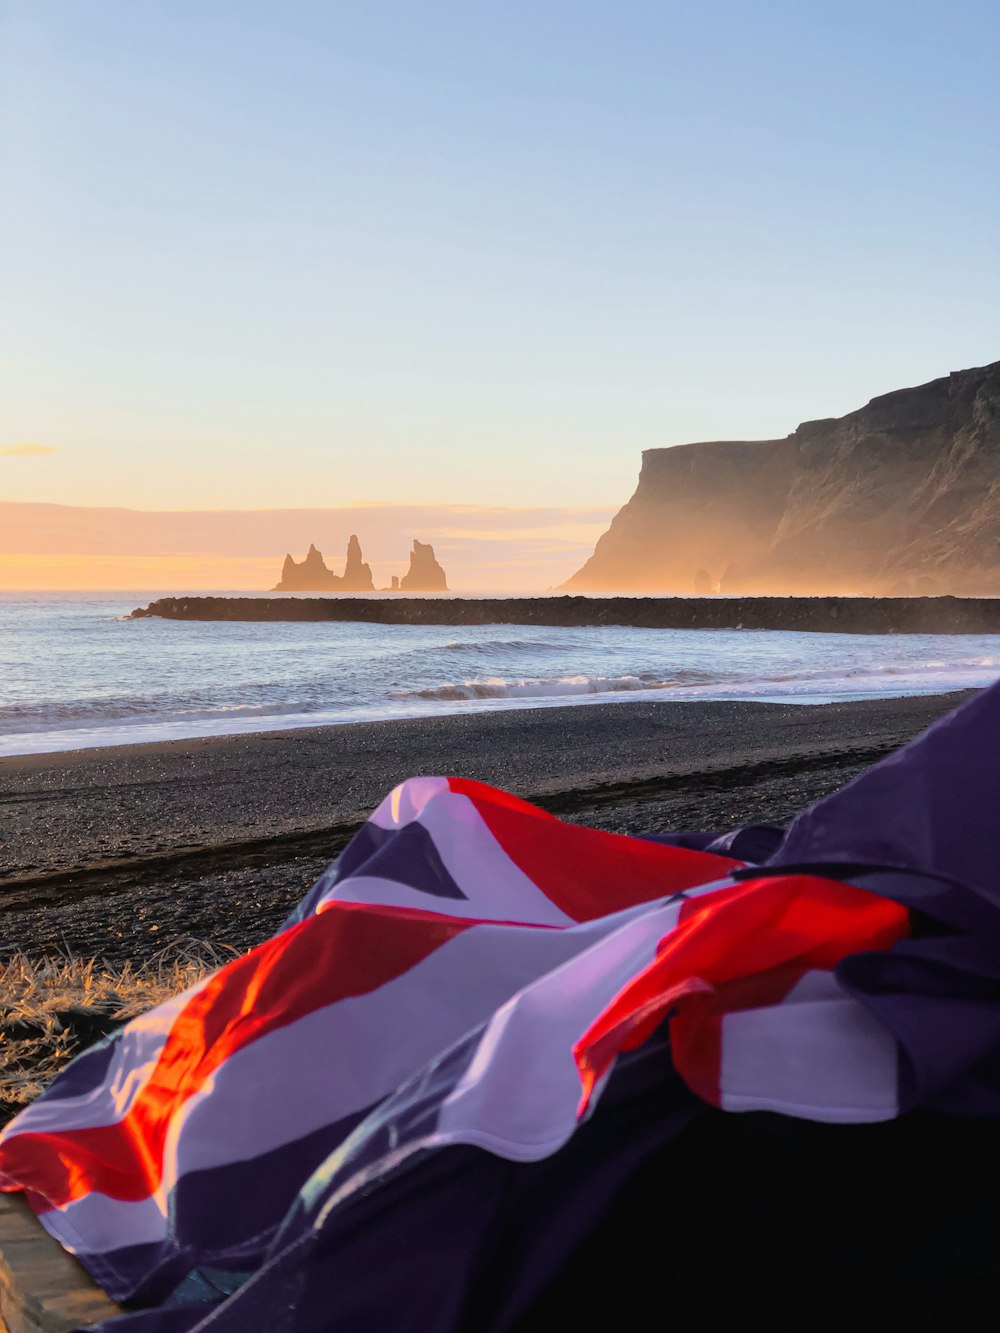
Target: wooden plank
{"x":42,"y":1288}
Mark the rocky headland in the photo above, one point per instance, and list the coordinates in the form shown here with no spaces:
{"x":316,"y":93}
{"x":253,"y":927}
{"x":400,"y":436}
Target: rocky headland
{"x":901,"y":497}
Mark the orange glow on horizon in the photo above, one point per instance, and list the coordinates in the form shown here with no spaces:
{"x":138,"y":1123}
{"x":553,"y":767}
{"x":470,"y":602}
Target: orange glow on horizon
{"x":501,"y":567}
{"x":83,"y":573}
{"x":46,"y":547}
{"x":26,"y":450}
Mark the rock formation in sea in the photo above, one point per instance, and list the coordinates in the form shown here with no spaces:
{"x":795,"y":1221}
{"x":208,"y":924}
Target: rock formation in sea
{"x":312,"y":574}
{"x":357,"y":575}
{"x":424,"y":574}
{"x":901,"y":497}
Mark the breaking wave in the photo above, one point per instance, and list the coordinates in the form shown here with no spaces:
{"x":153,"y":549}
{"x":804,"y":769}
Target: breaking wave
{"x":17,"y":718}
{"x":73,"y":675}
{"x":500,"y":645}
{"x":535,"y":689}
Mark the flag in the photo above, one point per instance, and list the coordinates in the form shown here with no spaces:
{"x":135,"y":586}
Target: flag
{"x":475,"y":994}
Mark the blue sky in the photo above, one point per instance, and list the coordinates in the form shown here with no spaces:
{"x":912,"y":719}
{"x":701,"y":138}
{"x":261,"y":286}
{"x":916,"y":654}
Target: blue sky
{"x":259,"y":254}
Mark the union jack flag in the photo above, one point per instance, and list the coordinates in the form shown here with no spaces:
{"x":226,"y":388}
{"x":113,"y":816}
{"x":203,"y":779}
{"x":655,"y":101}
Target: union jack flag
{"x":474,"y":978}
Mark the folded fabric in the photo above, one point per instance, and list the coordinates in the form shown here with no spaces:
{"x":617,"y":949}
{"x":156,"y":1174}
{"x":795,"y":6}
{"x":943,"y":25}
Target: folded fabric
{"x":479,"y":1008}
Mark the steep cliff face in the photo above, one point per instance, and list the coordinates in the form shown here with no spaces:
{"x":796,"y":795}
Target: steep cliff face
{"x":312,"y":574}
{"x":424,"y":574}
{"x":902,"y":496}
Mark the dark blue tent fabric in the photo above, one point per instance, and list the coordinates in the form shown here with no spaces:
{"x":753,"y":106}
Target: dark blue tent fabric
{"x":932,"y":807}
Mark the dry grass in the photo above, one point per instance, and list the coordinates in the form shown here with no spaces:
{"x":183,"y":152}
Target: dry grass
{"x":53,"y":1008}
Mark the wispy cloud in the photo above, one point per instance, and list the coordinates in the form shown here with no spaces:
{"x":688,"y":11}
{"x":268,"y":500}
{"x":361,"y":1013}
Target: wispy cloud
{"x":25,"y":450}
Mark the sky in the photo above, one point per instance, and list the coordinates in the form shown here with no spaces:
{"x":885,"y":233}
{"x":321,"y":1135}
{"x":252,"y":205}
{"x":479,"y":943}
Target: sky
{"x":480,"y":547}
{"x":259,"y":256}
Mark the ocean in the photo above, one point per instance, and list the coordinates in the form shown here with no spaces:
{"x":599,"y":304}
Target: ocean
{"x":76,"y":673}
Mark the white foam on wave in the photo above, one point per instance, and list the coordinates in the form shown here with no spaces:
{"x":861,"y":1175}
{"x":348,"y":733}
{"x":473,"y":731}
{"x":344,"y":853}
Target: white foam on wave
{"x":115,"y":713}
{"x":559,"y":686}
{"x":73,"y":677}
{"x":500,"y":645}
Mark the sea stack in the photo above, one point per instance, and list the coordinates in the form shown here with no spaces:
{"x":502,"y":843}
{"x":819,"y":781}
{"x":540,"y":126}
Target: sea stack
{"x":309,"y":575}
{"x":312,"y":575}
{"x":424,"y":574}
{"x":357,"y":575}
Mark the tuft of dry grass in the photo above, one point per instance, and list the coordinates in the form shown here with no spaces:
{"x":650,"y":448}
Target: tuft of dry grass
{"x":51,"y":1009}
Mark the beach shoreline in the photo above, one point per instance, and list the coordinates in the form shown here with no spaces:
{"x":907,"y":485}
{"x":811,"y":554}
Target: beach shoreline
{"x":122,"y":851}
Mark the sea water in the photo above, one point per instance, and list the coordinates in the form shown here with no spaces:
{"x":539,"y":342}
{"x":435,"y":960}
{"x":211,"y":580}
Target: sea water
{"x":75,"y":672}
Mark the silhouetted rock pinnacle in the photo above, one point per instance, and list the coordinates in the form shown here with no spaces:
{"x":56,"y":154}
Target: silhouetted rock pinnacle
{"x":424,"y":574}
{"x":312,"y":575}
{"x":357,"y":575}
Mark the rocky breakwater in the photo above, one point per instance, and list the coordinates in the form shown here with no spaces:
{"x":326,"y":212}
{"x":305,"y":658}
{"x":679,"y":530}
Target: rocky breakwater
{"x":312,"y":574}
{"x":845,"y":615}
{"x":899,"y":497}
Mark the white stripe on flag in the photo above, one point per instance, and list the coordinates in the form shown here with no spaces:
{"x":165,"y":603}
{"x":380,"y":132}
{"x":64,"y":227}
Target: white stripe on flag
{"x":497,"y":889}
{"x":520,"y":1096}
{"x":818,"y":1055}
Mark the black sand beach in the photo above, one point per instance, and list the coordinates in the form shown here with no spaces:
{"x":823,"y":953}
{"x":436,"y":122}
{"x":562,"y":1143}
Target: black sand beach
{"x":122,"y":852}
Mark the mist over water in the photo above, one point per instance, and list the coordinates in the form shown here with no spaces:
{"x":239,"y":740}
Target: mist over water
{"x":75,"y":674}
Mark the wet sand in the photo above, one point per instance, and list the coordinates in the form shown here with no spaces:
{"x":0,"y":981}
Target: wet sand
{"x":123,"y":851}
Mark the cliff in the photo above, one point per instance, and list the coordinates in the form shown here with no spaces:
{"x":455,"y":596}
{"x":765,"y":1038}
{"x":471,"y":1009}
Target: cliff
{"x":899,"y":497}
{"x":312,"y":574}
{"x":424,"y":574}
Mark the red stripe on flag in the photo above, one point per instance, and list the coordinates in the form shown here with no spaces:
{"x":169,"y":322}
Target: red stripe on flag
{"x":585,"y":872}
{"x":350,"y":949}
{"x":738,"y":949}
